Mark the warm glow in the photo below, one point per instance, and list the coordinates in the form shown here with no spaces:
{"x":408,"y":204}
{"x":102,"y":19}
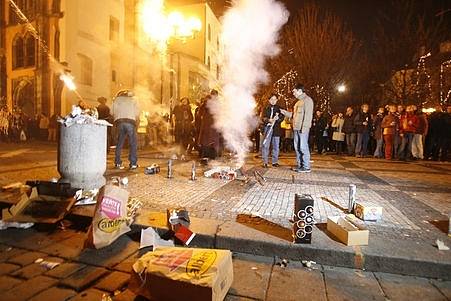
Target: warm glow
{"x":341,"y":88}
{"x":68,"y":81}
{"x":428,"y":110}
{"x":161,"y":27}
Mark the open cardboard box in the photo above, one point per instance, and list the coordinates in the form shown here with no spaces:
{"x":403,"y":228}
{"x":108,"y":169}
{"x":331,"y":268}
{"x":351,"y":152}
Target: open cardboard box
{"x":38,"y":208}
{"x":368,"y":213}
{"x":346,"y":232}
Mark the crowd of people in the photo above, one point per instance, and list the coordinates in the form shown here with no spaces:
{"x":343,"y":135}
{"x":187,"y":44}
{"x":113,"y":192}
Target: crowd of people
{"x":16,"y":126}
{"x":393,"y":132}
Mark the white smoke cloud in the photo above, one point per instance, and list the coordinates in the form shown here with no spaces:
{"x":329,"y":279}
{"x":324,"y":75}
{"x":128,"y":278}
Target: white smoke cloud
{"x":250,"y":34}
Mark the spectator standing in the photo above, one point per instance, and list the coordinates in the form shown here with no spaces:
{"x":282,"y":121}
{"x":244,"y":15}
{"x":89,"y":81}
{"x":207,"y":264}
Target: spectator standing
{"x":182,"y":119}
{"x":421,"y":131}
{"x":208,"y":135}
{"x":349,"y":130}
{"x":378,"y":134}
{"x":43,"y":126}
{"x":397,"y":138}
{"x":53,"y":125}
{"x":104,"y":114}
{"x":320,"y":131}
{"x":338,"y":136}
{"x":408,"y":127}
{"x":362,"y":123}
{"x":389,"y":127}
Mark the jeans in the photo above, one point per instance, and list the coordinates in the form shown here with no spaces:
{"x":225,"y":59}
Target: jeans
{"x":417,"y":146}
{"x":405,"y":150}
{"x":302,"y":149}
{"x":361,"y":147}
{"x":350,"y":143}
{"x":126,"y":129}
{"x":396,"y":145}
{"x":275,"y":141}
{"x":379,"y":146}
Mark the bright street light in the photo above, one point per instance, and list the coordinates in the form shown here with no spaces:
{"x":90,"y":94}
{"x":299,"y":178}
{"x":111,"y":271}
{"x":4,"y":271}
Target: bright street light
{"x":341,"y":88}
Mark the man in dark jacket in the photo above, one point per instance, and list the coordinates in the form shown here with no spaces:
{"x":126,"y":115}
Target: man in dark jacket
{"x":362,"y":123}
{"x":272,"y":118}
{"x":319,"y":128}
{"x":377,"y":131}
{"x":349,"y":130}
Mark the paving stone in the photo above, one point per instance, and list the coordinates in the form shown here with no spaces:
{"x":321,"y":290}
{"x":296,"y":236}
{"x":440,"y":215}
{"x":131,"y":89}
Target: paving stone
{"x":6,"y":268}
{"x":114,"y":281}
{"x":296,"y":283}
{"x":126,"y":265}
{"x":64,"y":270}
{"x":68,"y":248}
{"x":84,"y":278}
{"x":444,"y":287}
{"x":398,"y":287}
{"x":250,"y":279}
{"x":7,"y":252}
{"x":32,"y":239}
{"x":29,"y":288}
{"x":126,"y":295}
{"x":34,"y":269}
{"x":89,"y":295}
{"x":54,"y":294}
{"x":8,"y":282}
{"x":111,"y":255}
{"x":26,"y":258}
{"x":348,"y":284}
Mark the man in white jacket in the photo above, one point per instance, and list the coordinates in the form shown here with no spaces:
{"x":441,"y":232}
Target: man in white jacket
{"x":302,"y":121}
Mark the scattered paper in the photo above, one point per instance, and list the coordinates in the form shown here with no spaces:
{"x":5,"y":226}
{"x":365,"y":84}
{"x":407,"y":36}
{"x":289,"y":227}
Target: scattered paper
{"x":441,"y":245}
{"x":6,"y":225}
{"x":149,"y":237}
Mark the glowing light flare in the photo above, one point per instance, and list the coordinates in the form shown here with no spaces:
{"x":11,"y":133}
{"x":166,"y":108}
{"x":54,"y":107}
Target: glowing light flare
{"x":341,"y":88}
{"x":68,"y":81}
{"x":428,"y":110}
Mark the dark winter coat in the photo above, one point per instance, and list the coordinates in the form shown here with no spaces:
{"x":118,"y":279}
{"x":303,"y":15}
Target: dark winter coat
{"x":377,"y":126}
{"x":208,"y":135}
{"x":319,"y":125}
{"x":348,"y":126}
{"x":267,"y":115}
{"x":359,"y":119}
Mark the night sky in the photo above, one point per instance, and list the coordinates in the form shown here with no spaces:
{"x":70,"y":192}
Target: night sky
{"x":360,"y":15}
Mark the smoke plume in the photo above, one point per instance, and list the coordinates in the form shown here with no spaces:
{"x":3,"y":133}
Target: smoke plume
{"x":250,"y":34}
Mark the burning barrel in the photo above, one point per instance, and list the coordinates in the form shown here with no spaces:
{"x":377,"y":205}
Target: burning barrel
{"x":82,"y":155}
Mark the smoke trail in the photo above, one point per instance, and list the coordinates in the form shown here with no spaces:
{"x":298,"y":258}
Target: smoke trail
{"x":250,"y":34}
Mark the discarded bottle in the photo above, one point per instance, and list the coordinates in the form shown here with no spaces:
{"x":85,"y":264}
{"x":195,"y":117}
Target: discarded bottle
{"x":170,"y":169}
{"x":351,"y":198}
{"x":193,"y":172}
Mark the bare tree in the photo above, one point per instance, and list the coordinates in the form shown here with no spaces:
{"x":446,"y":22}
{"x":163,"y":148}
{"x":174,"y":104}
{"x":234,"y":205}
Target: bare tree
{"x":320,"y":47}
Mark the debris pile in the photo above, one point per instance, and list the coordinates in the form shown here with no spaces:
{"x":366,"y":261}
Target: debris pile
{"x":78,"y":115}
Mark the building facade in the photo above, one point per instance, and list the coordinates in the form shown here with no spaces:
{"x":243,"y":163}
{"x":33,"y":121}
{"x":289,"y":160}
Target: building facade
{"x":101,"y":44}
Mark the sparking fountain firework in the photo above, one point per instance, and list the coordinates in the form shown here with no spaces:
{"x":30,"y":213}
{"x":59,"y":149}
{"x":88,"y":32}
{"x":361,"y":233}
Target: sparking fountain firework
{"x":250,"y":33}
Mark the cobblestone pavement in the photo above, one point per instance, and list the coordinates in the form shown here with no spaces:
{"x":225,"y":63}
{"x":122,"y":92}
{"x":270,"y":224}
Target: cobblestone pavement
{"x":414,"y":195}
{"x":91,"y":274}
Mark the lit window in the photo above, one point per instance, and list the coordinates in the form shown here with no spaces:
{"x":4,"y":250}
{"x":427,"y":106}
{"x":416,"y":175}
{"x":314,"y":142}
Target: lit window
{"x":86,"y":70}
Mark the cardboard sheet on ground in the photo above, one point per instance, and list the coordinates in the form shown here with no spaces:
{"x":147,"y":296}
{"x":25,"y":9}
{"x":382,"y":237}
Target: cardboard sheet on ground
{"x":183,"y":274}
{"x":38,"y":208}
{"x":150,"y":237}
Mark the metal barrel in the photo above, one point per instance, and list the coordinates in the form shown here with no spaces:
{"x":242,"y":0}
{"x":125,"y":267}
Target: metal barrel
{"x":351,"y":198}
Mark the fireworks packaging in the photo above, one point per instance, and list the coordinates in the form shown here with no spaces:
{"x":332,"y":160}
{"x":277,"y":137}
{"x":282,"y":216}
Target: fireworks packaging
{"x":171,"y":273}
{"x":368,"y":213}
{"x":111,"y":218}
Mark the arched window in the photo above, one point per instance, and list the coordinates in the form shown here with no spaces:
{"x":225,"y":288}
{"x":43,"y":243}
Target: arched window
{"x":18,"y":53}
{"x":30,"y":51}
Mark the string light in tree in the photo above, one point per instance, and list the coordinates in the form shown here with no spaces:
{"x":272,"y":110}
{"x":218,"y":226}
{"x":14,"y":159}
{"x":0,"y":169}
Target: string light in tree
{"x":284,"y":86}
{"x":323,"y":98}
{"x":423,"y":73}
{"x":444,"y":100}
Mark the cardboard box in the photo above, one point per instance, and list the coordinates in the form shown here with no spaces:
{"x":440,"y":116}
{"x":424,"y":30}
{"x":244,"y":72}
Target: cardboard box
{"x":346,"y":232}
{"x":38,"y":208}
{"x":170,"y":274}
{"x":368,"y":213}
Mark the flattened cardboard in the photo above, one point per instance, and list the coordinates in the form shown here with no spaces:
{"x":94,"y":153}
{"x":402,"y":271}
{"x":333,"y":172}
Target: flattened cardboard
{"x":38,"y":208}
{"x":368,"y":213}
{"x":346,"y":232}
{"x":170,"y":274}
